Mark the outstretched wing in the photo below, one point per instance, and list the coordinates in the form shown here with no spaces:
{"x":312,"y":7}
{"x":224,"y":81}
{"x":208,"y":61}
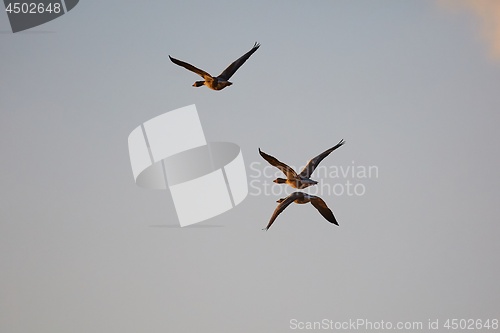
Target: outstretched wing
{"x":289,"y":172}
{"x":190,"y":67}
{"x":313,"y":163}
{"x":231,"y":69}
{"x":283,"y":204}
{"x":323,"y":209}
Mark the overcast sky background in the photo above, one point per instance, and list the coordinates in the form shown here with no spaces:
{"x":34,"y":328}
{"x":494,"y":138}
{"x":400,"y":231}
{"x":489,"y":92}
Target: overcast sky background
{"x":412,"y":87}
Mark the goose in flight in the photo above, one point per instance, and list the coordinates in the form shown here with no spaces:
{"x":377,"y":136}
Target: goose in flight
{"x":217,"y":82}
{"x":302,"y":198}
{"x":301,"y":180}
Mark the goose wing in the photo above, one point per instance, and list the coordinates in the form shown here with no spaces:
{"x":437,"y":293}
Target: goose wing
{"x":323,"y":209}
{"x":190,"y":67}
{"x":282,"y":205}
{"x":231,"y":69}
{"x":289,"y":172}
{"x":313,"y":163}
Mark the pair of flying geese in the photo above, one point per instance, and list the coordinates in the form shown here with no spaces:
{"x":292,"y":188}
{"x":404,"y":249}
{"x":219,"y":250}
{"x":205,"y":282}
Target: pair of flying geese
{"x":298,"y":181}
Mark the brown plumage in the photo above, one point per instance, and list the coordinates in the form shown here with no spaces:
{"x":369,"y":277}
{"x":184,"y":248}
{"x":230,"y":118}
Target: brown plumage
{"x":301,"y":180}
{"x":303,"y":198}
{"x":222,"y":80}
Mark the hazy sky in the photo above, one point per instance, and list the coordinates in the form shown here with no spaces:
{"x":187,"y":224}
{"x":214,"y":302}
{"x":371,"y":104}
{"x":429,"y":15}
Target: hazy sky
{"x":412,"y":87}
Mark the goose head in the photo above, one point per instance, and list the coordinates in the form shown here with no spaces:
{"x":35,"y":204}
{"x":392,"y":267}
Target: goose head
{"x":279,"y":181}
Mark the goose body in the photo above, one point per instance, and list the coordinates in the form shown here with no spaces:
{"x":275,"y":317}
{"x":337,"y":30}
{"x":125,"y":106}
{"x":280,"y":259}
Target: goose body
{"x":303,"y":198}
{"x":301,"y":180}
{"x":222,"y":80}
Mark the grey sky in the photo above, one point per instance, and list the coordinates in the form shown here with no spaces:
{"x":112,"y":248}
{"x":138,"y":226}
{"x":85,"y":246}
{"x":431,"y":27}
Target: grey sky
{"x":412,"y":87}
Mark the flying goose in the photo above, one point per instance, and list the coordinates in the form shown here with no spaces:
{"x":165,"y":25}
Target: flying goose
{"x":301,"y":180}
{"x":302,"y":198}
{"x":221,"y":81}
